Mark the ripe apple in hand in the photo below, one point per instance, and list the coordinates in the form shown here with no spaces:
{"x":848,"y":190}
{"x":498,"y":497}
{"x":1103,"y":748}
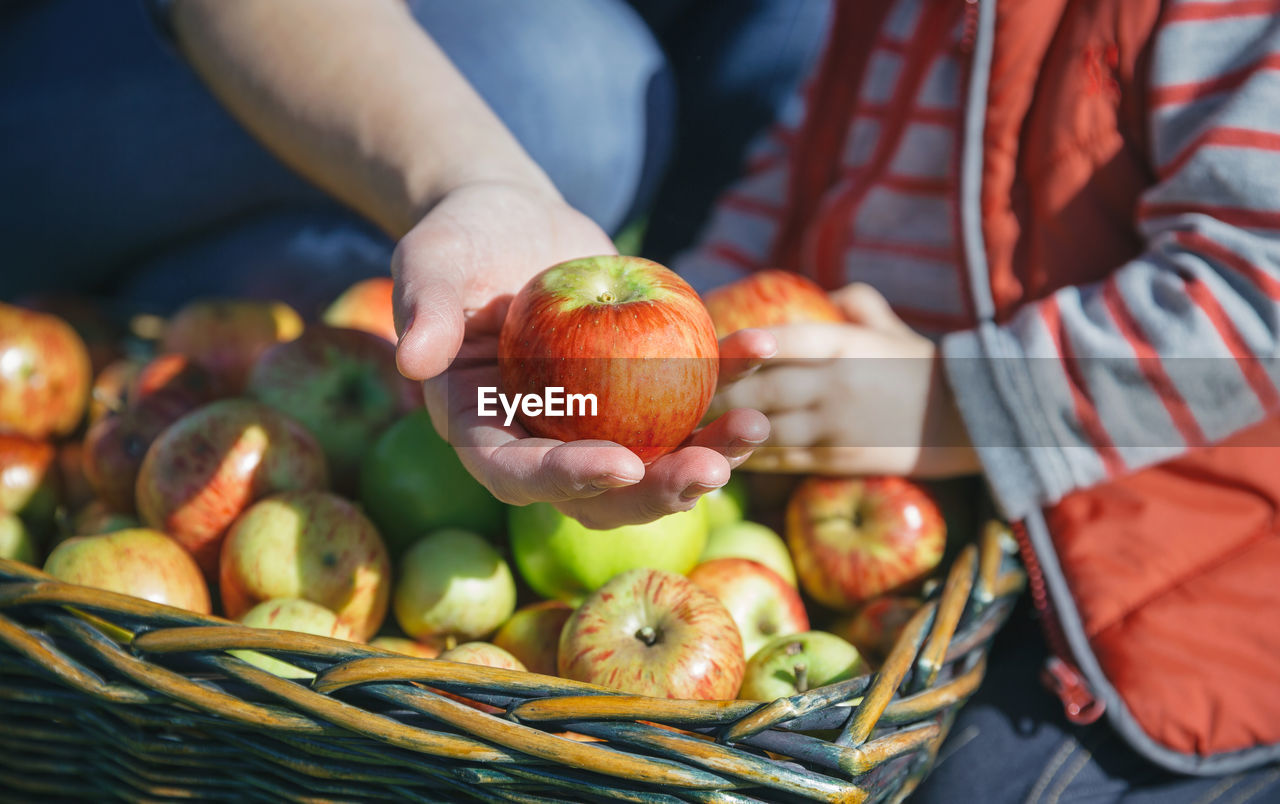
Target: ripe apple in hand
{"x":561,"y":558}
{"x":769,"y":299}
{"x":289,"y":614}
{"x":875,"y":627}
{"x":761,"y":602}
{"x":453,"y":583}
{"x":342,"y":385}
{"x":226,"y":336}
{"x":482,"y":653}
{"x":44,"y":374}
{"x":753,"y":541}
{"x":788,"y":665}
{"x":366,"y":306}
{"x":311,"y":545}
{"x":650,"y":632}
{"x":532,"y":635}
{"x":625,"y":329}
{"x":855,"y":538}
{"x":140,"y":562}
{"x":412,"y":483}
{"x":211,"y":464}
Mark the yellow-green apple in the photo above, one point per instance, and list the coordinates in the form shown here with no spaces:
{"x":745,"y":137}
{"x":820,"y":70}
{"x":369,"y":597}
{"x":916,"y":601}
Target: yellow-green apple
{"x":725,"y":505}
{"x":483,"y":653}
{"x":532,"y":635}
{"x":211,"y":464}
{"x":290,"y":614}
{"x":141,"y":562}
{"x":768,"y":299}
{"x":754,"y":541}
{"x":624,"y":329}
{"x":226,"y":336}
{"x":412,"y":483}
{"x":409,"y":647}
{"x":561,"y":558}
{"x":44,"y":374}
{"x":761,"y":602}
{"x":312,"y":545}
{"x":650,"y":632}
{"x":854,"y":538}
{"x":796,"y":663}
{"x":874,"y":627}
{"x":366,"y":305}
{"x":16,"y":542}
{"x":342,"y":384}
{"x":28,"y":480}
{"x":453,"y":583}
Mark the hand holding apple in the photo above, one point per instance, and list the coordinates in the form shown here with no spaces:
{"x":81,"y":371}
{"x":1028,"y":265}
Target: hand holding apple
{"x":768,"y":299}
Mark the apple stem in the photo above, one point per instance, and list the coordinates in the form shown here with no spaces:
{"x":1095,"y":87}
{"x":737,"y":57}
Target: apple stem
{"x":802,"y":677}
{"x":605,"y":297}
{"x":647,"y":635}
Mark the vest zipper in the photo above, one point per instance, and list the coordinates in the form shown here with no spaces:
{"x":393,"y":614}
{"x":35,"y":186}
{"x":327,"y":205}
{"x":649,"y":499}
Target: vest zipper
{"x":1060,"y":674}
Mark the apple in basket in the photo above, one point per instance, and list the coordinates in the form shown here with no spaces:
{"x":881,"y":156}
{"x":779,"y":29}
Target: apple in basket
{"x":140,"y":562}
{"x":768,"y":299}
{"x":482,"y":653}
{"x":211,"y":464}
{"x":762,"y":603}
{"x":312,"y":545}
{"x":453,"y":583}
{"x":855,"y":538}
{"x":650,"y":632}
{"x":788,"y":665}
{"x":875,"y":627}
{"x":532,"y":635}
{"x":16,"y":541}
{"x":367,"y":306}
{"x":290,"y":614}
{"x":226,"y":336}
{"x":28,"y":480}
{"x":625,"y":338}
{"x":44,"y":374}
{"x":753,"y":541}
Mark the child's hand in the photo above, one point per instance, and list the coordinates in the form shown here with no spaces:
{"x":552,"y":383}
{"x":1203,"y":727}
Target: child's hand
{"x":868,"y":397}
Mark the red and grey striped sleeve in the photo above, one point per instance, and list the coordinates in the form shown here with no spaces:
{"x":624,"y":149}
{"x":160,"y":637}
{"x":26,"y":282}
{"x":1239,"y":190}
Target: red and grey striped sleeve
{"x":1176,"y":348}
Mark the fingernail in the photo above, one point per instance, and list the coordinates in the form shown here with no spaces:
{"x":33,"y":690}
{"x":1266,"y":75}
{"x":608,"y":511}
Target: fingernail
{"x":696,"y":490}
{"x":606,"y":482}
{"x":743,"y":447}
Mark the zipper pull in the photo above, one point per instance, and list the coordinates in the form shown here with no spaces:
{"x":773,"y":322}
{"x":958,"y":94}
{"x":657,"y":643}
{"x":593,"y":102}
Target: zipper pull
{"x":1082,"y":707}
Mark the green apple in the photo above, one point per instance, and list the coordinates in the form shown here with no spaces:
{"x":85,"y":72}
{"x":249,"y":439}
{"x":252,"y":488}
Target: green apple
{"x":727,"y":504}
{"x":15,"y":540}
{"x":413,"y":483}
{"x":753,"y":541}
{"x":561,"y":558}
{"x":290,"y":614}
{"x":453,"y":583}
{"x":788,"y":665}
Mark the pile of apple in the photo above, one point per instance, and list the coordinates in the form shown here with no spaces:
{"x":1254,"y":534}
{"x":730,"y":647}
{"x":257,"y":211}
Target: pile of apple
{"x":237,"y":460}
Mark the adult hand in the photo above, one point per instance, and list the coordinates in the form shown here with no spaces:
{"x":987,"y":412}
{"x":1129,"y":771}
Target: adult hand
{"x":867,"y":397}
{"x":455,"y":273}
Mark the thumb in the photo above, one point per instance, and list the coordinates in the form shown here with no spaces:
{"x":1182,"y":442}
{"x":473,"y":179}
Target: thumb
{"x":863,"y":304}
{"x":431,"y":325}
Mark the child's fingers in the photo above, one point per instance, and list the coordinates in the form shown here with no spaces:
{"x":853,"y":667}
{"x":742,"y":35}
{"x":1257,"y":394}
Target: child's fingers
{"x":743,"y":352}
{"x":863,"y":304}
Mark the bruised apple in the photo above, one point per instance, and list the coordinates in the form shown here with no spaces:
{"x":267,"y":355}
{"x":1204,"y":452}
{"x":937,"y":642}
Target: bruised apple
{"x":45,"y":374}
{"x":211,"y":464}
{"x":622,"y":331}
{"x":769,"y":299}
{"x":140,"y":562}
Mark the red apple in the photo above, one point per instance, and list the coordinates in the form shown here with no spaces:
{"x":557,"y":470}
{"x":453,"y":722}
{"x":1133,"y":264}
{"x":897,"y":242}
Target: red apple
{"x":532,"y":635}
{"x":44,"y":374}
{"x":769,"y":299}
{"x":175,"y":378}
{"x":875,"y":627}
{"x":211,"y":464}
{"x":650,"y":632}
{"x":367,"y":306}
{"x":342,"y":384}
{"x":483,"y":653}
{"x":140,"y":562}
{"x":226,"y":336}
{"x":761,"y":601}
{"x":28,"y":480}
{"x":855,"y":538}
{"x":625,"y":329}
{"x":311,"y":545}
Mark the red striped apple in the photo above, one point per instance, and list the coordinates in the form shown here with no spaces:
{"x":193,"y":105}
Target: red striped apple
{"x":855,"y":538}
{"x":761,"y":602}
{"x":44,"y":374}
{"x":482,"y":653}
{"x":769,"y":299}
{"x":650,"y":632}
{"x":140,"y":562}
{"x":624,"y":329}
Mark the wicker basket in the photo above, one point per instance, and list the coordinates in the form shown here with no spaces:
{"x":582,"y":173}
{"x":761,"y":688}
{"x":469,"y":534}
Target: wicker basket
{"x":108,"y":696}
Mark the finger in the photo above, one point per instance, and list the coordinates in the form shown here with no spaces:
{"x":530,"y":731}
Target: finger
{"x":863,"y":304}
{"x":777,"y":387}
{"x":743,"y":352}
{"x":673,"y":483}
{"x":796,"y":428}
{"x":429,"y":317}
{"x":529,"y":470}
{"x":734,"y":435}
